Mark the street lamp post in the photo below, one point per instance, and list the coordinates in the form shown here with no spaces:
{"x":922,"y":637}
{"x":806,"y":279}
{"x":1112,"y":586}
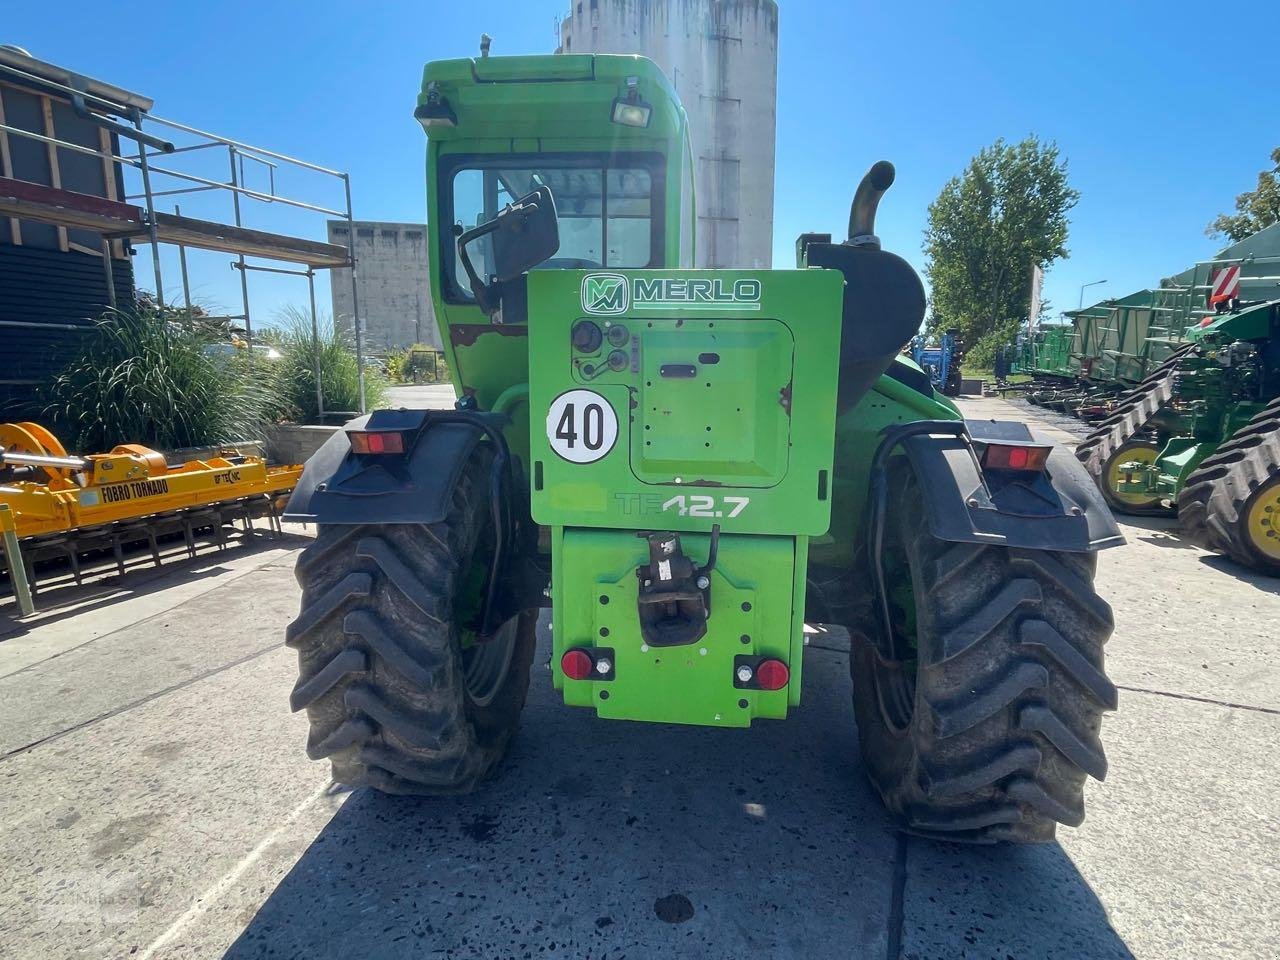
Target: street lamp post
{"x":1082,"y":289}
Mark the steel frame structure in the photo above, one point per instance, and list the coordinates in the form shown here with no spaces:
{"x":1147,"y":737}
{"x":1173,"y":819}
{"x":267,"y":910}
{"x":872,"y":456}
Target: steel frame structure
{"x":143,"y":223}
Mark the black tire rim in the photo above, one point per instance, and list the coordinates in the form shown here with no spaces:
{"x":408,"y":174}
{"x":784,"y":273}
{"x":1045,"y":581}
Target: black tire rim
{"x":895,"y":660}
{"x":486,"y":665}
{"x":895,"y":682}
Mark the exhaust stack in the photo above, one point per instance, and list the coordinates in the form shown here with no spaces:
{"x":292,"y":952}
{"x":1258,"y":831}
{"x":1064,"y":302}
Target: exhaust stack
{"x":883,"y":297}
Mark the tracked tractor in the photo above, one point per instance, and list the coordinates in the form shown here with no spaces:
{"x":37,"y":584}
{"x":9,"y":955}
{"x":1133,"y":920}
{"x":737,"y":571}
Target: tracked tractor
{"x":684,"y":466}
{"x":1200,"y":437}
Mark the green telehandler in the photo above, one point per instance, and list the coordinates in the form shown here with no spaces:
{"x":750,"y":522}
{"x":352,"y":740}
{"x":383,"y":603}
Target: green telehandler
{"x":685,"y":466}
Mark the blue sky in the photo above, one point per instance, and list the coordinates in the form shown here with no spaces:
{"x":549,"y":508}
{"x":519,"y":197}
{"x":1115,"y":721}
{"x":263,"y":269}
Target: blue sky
{"x":1160,"y":131}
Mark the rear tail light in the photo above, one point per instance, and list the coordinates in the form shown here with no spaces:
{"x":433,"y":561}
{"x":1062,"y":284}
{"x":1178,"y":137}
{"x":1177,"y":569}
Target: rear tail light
{"x":1000,"y":456}
{"x":772,"y":675}
{"x":376,"y":441}
{"x":577,"y":664}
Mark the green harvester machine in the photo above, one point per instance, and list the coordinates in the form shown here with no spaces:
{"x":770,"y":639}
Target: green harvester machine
{"x":1201,"y":438}
{"x":1083,"y":367}
{"x":1200,"y":435}
{"x":685,"y":466}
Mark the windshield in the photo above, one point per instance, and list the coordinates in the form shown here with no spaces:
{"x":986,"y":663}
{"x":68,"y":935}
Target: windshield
{"x":605,"y":207}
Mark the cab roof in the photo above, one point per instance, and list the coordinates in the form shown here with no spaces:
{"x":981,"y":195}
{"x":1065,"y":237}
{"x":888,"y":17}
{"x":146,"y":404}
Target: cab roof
{"x":551,"y":95}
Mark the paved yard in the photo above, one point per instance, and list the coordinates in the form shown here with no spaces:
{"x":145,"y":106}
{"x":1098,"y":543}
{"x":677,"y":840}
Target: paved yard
{"x":157,"y":802}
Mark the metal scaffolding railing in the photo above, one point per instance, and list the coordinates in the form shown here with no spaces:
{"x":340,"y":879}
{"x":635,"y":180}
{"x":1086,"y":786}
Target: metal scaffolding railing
{"x":137,"y":218}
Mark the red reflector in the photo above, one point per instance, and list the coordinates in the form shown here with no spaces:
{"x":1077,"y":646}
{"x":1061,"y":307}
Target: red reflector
{"x":576,"y":664}
{"x":381,"y":441}
{"x":1006,"y":457}
{"x":772,"y":674}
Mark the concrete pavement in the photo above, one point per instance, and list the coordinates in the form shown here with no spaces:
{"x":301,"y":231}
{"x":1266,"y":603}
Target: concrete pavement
{"x":436,"y":396}
{"x":157,"y":803}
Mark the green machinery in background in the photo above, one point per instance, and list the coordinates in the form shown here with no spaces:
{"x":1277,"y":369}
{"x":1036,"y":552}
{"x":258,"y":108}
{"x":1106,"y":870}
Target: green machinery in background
{"x":685,"y":466}
{"x":1081,"y":367}
{"x":1116,"y":344}
{"x":1200,"y":434}
{"x":1045,"y":351}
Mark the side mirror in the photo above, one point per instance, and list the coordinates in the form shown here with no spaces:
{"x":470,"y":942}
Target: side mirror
{"x":522,"y":235}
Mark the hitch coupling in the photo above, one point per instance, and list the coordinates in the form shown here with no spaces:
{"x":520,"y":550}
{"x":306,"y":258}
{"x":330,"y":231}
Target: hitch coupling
{"x":674,"y":596}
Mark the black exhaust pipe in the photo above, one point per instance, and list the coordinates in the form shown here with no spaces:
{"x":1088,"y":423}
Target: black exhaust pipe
{"x":862,"y":212}
{"x":883,"y":297}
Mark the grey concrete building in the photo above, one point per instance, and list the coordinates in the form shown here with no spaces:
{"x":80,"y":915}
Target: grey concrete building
{"x":722,"y":57}
{"x":394,"y":285}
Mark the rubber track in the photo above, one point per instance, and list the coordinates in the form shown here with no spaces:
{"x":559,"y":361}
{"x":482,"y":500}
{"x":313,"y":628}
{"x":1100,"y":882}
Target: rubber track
{"x":1129,"y":418}
{"x":1212,"y":501}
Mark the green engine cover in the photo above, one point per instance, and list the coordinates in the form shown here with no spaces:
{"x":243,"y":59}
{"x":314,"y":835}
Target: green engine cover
{"x":675,"y":401}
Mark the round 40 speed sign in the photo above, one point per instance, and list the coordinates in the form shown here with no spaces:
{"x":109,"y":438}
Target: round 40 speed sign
{"x":581,"y":426}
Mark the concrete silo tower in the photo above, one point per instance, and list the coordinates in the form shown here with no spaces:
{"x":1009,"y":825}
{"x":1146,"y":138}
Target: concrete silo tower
{"x":722,"y":56}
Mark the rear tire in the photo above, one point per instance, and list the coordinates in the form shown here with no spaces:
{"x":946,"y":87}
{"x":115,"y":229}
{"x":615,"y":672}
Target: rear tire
{"x":394,"y":700}
{"x":988,"y":733}
{"x":1224,"y":504}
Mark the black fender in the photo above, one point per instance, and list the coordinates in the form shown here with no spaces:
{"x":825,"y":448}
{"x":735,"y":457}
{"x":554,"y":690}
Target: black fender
{"x":1059,"y":508}
{"x":341,"y":487}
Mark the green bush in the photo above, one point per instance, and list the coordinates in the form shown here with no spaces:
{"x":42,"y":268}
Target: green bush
{"x":418,"y":364}
{"x":148,"y":376}
{"x":334,"y":352}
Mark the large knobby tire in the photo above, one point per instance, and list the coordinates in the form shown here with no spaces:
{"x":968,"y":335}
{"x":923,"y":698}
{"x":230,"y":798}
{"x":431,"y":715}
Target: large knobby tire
{"x":989,"y":732}
{"x":394,"y":700}
{"x":1231,"y":503}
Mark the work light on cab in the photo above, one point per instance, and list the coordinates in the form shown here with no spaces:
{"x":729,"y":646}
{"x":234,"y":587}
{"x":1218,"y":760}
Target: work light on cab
{"x":631,"y":111}
{"x":436,"y":112}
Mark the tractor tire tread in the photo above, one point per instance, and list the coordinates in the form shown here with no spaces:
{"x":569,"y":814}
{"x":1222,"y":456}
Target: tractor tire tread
{"x":381,"y":674}
{"x":1214,"y":499}
{"x":1006,"y":723}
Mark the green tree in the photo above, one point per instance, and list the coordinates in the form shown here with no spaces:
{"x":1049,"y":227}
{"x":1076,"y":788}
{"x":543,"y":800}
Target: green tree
{"x":1006,"y":213}
{"x":1255,"y":209}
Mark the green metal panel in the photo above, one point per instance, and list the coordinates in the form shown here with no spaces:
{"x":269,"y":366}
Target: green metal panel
{"x":716,"y":369}
{"x":858,"y":436}
{"x":744,"y":436}
{"x":730,"y":422}
{"x":684,"y":684}
{"x":1257,"y":323}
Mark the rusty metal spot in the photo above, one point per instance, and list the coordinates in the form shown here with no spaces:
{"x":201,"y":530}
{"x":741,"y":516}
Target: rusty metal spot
{"x":466,"y":334}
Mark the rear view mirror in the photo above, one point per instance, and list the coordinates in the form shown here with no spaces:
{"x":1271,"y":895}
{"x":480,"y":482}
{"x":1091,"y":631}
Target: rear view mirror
{"x":528,"y":233}
{"x":522,"y":235}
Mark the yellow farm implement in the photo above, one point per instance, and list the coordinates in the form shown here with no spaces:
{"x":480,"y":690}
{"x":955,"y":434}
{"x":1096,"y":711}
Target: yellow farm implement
{"x":57,"y":506}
